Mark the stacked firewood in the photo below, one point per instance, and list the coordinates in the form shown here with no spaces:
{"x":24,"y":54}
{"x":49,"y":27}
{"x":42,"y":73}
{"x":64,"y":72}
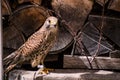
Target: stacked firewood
{"x":87,"y":25}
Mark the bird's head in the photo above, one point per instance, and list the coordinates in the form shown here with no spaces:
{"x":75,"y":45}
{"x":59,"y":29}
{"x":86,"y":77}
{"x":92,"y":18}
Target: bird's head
{"x":51,"y":23}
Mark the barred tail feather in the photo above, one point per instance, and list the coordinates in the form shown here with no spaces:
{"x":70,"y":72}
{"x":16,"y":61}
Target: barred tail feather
{"x":11,"y":61}
{"x":7,"y":60}
{"x":9,"y":68}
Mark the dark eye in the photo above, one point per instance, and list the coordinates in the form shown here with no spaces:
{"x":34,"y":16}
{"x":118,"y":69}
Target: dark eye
{"x":49,"y":21}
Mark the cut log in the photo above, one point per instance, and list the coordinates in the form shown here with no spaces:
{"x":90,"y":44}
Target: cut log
{"x":74,"y":12}
{"x":24,"y":21}
{"x":31,"y":1}
{"x":114,"y":5}
{"x":29,"y":18}
{"x":12,"y":38}
{"x":6,"y":10}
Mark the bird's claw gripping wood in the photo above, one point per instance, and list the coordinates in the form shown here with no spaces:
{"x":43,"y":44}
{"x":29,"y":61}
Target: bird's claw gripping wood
{"x":44,"y":71}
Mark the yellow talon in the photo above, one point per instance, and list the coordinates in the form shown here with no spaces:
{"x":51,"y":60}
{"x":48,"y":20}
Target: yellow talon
{"x":44,"y":70}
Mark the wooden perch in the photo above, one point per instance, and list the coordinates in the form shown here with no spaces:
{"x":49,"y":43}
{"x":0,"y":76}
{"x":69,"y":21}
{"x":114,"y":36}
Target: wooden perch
{"x":66,"y":74}
{"x":98,"y":63}
{"x":71,"y":71}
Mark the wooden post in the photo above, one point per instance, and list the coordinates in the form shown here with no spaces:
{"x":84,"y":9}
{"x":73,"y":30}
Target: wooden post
{"x":1,"y":66}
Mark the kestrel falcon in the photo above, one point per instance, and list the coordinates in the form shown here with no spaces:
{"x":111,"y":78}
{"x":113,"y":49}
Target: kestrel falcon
{"x":36,"y":47}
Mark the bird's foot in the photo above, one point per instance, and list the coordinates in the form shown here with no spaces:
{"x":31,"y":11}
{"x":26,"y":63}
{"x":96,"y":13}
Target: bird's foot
{"x":44,"y":71}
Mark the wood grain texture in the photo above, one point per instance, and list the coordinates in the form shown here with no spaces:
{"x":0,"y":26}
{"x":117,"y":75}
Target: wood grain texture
{"x":66,"y":74}
{"x":32,"y":1}
{"x":6,"y":9}
{"x":29,"y":18}
{"x":71,"y":71}
{"x":114,"y":5}
{"x":99,"y":63}
{"x":12,"y":38}
{"x":73,"y":12}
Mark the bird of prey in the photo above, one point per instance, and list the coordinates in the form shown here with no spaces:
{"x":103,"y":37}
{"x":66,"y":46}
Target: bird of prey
{"x":36,"y":47}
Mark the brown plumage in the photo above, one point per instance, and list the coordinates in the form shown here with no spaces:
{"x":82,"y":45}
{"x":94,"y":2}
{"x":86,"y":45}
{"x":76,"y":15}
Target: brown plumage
{"x":36,"y":47}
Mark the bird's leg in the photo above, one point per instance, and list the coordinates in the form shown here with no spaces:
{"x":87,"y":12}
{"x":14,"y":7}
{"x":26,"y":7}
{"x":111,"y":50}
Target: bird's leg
{"x":43,"y":69}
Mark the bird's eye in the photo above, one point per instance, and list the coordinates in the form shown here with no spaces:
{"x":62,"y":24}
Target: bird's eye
{"x":49,"y":21}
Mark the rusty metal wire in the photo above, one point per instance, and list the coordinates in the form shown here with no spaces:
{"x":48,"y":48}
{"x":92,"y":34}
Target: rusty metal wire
{"x":100,"y":38}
